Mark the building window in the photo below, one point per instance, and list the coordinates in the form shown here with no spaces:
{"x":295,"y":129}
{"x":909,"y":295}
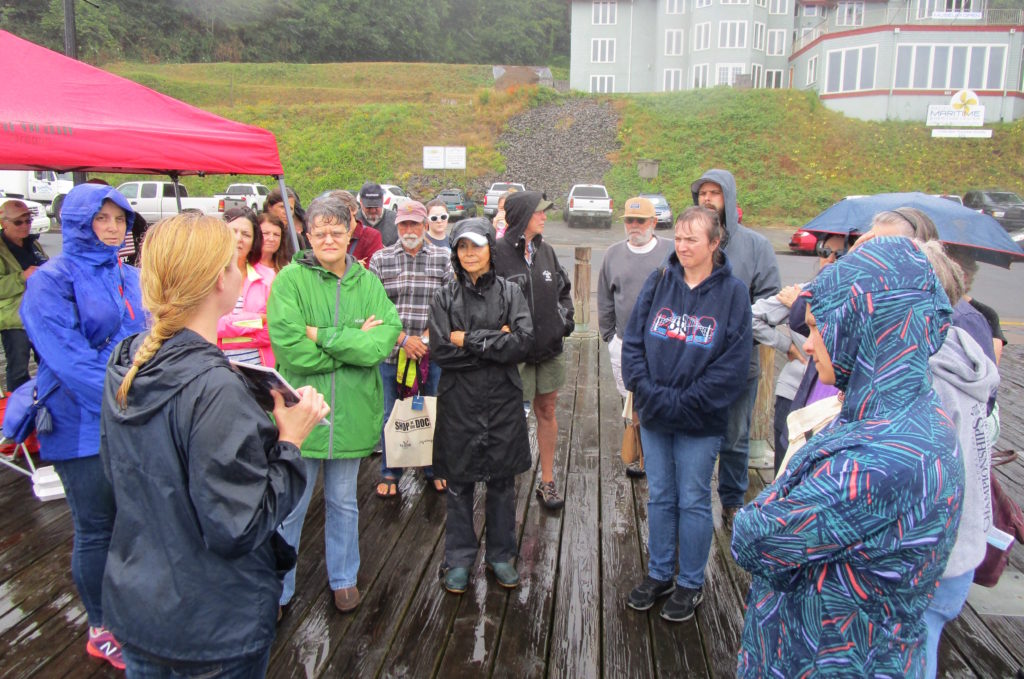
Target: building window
{"x":732,"y":34}
{"x":761,"y":3}
{"x":702,"y":36}
{"x":850,"y":14}
{"x":777,"y":6}
{"x":735,"y":2}
{"x":675,"y":6}
{"x":773,"y":78}
{"x":697,"y":4}
{"x":700,"y":76}
{"x":950,"y":67}
{"x":755,"y":75}
{"x":850,"y":70}
{"x":673,"y":79}
{"x":810,"y":10}
{"x":602,"y":50}
{"x":674,"y":42}
{"x":726,"y":73}
{"x":603,"y":84}
{"x":604,"y":13}
{"x":758,"y":36}
{"x":777,"y":42}
{"x":812,"y":70}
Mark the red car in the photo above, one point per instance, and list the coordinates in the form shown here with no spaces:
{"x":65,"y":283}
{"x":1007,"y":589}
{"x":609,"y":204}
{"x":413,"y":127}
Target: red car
{"x":803,"y":241}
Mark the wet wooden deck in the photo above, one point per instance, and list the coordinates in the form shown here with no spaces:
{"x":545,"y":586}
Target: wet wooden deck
{"x":567,"y":619}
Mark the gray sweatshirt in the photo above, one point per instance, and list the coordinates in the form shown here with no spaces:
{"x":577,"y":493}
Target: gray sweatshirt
{"x":623,"y":274}
{"x":768,"y":314}
{"x":964,"y":378}
{"x":749,"y":253}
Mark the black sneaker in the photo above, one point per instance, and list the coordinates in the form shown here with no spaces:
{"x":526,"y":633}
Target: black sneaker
{"x":682,"y":604}
{"x":649,"y":591}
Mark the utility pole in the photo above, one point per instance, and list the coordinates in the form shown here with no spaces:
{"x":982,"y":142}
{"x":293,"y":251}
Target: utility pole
{"x":71,"y":50}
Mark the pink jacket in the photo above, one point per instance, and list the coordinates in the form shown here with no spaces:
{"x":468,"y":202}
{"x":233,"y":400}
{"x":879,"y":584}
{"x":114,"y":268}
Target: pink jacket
{"x":248,"y":328}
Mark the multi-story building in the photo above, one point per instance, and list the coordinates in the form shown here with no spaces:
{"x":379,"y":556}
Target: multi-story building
{"x":872,"y":59}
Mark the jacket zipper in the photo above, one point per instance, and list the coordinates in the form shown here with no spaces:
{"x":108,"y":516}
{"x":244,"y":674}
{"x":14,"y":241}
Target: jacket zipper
{"x":334,"y":417}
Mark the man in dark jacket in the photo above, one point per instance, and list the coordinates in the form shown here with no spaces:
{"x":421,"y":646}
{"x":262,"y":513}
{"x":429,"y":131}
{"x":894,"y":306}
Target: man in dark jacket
{"x":753,"y":262}
{"x":373,"y":214}
{"x":524,"y":258}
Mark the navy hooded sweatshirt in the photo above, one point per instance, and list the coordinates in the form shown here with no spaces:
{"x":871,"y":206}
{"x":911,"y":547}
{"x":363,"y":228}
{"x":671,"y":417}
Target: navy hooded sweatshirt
{"x":686,"y":351}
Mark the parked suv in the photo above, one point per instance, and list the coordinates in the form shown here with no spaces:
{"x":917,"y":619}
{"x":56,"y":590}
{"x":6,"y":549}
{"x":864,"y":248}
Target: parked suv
{"x":458,"y":203}
{"x":1005,"y":207}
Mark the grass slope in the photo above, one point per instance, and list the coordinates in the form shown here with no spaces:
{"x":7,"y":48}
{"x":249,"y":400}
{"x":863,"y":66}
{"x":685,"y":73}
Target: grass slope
{"x":340,"y":124}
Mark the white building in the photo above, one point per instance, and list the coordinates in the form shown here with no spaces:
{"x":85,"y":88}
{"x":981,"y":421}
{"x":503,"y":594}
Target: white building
{"x":881,"y":59}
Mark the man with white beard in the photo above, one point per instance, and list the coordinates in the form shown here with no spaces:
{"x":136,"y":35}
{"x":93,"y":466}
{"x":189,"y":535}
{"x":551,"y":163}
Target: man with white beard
{"x":411,"y":270}
{"x":626,"y":266}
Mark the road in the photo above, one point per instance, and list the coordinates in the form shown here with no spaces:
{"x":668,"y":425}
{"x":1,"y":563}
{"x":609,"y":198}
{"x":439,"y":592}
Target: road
{"x":999,"y":288}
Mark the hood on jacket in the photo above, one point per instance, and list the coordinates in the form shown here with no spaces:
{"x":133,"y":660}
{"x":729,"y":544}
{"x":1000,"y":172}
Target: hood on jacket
{"x":179,"y":361}
{"x":724,"y":179}
{"x":76,"y":215}
{"x":477,"y":225}
{"x":962,"y":364}
{"x":882,"y":313}
{"x":519,"y":207}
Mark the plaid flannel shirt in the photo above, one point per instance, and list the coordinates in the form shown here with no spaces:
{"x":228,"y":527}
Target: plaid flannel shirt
{"x":410,"y":282}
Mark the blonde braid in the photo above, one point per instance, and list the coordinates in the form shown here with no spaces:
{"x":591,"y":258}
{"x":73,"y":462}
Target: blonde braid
{"x":183,"y":257}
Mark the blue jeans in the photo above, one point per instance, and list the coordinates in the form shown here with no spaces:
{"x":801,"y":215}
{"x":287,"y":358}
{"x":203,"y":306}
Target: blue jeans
{"x":91,"y":499}
{"x":735,"y":454}
{"x":140,"y":665}
{"x":679,"y":469}
{"x":341,"y":525}
{"x":16,"y":351}
{"x":389,"y":374}
{"x":949,"y":598}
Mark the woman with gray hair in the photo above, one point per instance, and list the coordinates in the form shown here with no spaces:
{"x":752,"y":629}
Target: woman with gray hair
{"x":331,"y":324}
{"x":965,"y":380}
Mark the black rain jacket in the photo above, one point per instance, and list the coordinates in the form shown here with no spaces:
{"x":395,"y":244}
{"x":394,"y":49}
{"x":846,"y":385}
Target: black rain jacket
{"x":544,"y":283}
{"x":201,"y":483}
{"x":480,"y":432}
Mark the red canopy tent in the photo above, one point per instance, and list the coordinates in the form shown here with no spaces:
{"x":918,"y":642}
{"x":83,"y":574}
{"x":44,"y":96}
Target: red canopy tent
{"x":64,"y":115}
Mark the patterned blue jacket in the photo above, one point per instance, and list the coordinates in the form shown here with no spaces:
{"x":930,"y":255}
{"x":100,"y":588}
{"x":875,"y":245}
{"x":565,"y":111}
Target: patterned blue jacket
{"x":846,"y":547}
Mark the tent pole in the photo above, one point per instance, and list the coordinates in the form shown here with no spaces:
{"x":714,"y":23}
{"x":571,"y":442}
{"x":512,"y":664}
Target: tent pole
{"x":288,"y":212}
{"x":177,"y":190}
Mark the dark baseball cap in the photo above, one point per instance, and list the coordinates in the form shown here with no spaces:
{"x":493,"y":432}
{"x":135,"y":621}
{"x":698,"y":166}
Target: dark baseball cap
{"x":371,"y":195}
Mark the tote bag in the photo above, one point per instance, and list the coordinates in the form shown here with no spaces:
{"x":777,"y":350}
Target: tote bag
{"x":409,"y":434}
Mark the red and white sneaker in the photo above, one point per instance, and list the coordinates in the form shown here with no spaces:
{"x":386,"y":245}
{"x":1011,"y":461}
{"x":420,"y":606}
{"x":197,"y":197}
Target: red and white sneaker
{"x":102,"y":644}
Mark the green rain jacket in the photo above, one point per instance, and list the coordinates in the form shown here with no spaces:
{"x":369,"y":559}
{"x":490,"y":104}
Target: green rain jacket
{"x":342,"y":363}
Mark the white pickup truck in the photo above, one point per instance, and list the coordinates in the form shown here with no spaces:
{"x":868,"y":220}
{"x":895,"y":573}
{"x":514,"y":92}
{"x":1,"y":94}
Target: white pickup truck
{"x":155,"y":200}
{"x":588,"y":203}
{"x":243,"y":195}
{"x":495,"y":192}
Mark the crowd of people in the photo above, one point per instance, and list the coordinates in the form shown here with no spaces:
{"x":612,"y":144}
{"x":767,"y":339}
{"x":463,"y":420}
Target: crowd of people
{"x":854,"y":550}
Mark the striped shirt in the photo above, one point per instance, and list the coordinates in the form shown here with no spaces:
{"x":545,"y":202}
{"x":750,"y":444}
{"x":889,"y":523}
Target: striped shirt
{"x":248,"y":354}
{"x":410,"y":282}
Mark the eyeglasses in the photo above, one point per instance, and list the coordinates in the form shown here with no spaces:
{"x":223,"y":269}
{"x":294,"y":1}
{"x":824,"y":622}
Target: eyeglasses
{"x":439,"y":218}
{"x":21,"y":222}
{"x":336,"y":235}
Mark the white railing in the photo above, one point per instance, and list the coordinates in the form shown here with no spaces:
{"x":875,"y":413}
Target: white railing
{"x":897,"y":16}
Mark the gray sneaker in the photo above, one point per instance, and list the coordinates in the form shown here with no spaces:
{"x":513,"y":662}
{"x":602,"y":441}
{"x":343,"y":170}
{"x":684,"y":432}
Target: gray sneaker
{"x":549,"y":496}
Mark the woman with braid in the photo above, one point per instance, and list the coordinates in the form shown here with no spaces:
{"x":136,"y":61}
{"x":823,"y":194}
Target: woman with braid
{"x":201,"y":475}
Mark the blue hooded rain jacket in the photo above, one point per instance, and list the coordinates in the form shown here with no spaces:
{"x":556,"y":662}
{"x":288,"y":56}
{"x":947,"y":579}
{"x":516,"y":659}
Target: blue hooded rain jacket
{"x":76,"y":308}
{"x":847,"y":545}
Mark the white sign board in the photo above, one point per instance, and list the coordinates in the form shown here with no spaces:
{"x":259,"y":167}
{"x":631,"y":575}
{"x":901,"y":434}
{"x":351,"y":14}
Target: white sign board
{"x":433,"y":157}
{"x":969,"y":134}
{"x":973,"y":16}
{"x":963,"y":110}
{"x":455,"y":157}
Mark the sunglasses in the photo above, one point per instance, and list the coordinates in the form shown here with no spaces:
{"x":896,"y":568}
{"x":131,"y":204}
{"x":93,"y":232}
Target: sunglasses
{"x":635,"y":220}
{"x":439,"y":218}
{"x":825,"y":252}
{"x":21,"y":222}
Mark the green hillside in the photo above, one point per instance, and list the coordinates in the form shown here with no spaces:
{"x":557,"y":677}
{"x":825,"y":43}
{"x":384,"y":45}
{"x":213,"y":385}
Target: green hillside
{"x":339,"y":124}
